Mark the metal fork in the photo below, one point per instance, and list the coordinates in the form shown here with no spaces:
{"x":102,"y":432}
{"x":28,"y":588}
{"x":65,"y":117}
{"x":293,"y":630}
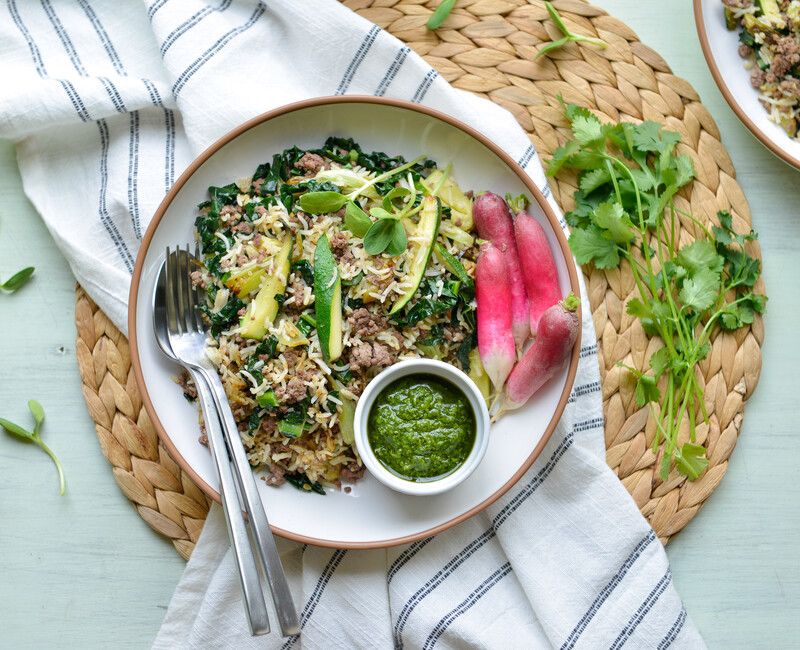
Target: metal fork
{"x":187,"y":338}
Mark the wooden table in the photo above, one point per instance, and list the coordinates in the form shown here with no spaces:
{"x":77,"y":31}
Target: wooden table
{"x":85,"y":571}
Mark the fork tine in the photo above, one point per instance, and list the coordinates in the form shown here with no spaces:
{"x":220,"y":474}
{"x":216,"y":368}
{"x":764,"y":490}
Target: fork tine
{"x":184,"y":311}
{"x":172,"y":314}
{"x":197,"y":298}
{"x":191,"y":293}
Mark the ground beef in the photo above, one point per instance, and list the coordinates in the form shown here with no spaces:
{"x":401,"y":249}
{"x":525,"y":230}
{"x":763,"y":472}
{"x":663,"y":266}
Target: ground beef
{"x":298,"y":288}
{"x":268,"y":426}
{"x":293,"y":392}
{"x":787,"y":55}
{"x":352,"y":472}
{"x":745,"y":51}
{"x":292,"y":357}
{"x":311,"y":163}
{"x":187,"y":384}
{"x":453,"y":335}
{"x":203,"y":440}
{"x":364,"y":323}
{"x":757,"y":78}
{"x":197,"y":279}
{"x":370,"y":355}
{"x":339,"y":244}
{"x":791,"y":87}
{"x":243,"y":227}
{"x":275,"y":476}
{"x":257,"y":185}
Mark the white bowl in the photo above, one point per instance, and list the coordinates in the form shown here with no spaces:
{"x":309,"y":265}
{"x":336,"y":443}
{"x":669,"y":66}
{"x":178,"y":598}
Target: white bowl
{"x":422,"y":367}
{"x":370,"y":515}
{"x":720,"y":47}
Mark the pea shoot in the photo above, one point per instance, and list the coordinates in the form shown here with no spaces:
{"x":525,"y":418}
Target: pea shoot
{"x":568,"y":36}
{"x":35,"y":437}
{"x":440,"y":15}
{"x":18,"y":280}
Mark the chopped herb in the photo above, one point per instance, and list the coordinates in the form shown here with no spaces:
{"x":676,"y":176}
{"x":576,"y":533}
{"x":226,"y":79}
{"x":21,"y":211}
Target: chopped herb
{"x":305,"y":270}
{"x":302,"y":482}
{"x":225,"y":317}
{"x":293,"y":423}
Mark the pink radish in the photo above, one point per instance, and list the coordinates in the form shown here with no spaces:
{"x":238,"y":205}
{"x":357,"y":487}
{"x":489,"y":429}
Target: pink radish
{"x":493,"y":219}
{"x":539,"y":271}
{"x":493,"y":295}
{"x":558,"y":329}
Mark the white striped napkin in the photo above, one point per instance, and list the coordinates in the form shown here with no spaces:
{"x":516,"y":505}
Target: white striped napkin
{"x":107,"y":102}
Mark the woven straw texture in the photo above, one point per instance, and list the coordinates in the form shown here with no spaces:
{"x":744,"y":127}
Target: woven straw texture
{"x":487,"y":47}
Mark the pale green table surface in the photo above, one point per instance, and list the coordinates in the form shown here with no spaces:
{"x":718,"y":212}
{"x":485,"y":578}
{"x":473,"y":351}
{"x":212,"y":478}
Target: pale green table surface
{"x":85,"y":571}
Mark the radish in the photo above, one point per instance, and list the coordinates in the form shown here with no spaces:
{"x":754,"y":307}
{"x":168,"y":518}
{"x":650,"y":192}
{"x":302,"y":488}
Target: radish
{"x":494,"y":222}
{"x":539,"y":271}
{"x":493,"y":295}
{"x":558,"y":329}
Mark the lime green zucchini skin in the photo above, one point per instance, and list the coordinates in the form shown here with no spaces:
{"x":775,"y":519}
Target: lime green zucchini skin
{"x":420,"y":252}
{"x":327,"y":301}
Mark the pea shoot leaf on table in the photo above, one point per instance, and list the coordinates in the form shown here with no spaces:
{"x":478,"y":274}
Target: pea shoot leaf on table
{"x":35,"y":437}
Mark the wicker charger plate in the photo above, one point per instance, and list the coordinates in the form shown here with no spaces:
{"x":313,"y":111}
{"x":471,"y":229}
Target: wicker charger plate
{"x":487,"y":47}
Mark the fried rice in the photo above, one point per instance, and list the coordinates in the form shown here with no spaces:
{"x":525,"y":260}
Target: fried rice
{"x":294,"y":409}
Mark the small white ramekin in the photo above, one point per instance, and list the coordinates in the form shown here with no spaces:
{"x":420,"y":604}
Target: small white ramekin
{"x":422,"y":367}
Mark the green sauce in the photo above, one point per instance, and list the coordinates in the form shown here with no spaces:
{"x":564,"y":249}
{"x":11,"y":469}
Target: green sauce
{"x":421,"y":427}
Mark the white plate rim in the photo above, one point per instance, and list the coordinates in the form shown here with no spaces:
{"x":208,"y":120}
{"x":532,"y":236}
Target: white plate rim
{"x":322,"y":101}
{"x":766,"y":139}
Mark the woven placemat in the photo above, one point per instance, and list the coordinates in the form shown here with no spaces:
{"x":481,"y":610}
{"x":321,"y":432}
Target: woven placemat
{"x":487,"y":47}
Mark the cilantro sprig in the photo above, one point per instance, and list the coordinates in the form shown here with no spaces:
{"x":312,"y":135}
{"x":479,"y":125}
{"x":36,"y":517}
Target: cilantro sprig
{"x":628,"y":176}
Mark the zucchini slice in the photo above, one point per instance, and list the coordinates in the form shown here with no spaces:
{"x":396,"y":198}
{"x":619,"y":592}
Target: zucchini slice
{"x":420,"y":248}
{"x":328,"y":301}
{"x":263,"y":309}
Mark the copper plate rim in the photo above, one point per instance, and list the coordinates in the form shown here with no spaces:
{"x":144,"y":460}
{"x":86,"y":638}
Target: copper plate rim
{"x":290,"y":108}
{"x":728,"y":95}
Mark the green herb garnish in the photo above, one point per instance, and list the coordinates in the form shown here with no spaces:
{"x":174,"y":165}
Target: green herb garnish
{"x":568,"y":36}
{"x":18,"y":280}
{"x":441,"y":14}
{"x":625,"y":211}
{"x":35,"y":437}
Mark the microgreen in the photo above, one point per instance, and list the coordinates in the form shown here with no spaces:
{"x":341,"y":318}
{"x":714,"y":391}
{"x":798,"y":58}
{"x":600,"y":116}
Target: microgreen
{"x":441,"y":14}
{"x":628,"y":176}
{"x":356,"y":220}
{"x":568,"y":36}
{"x":35,"y":437}
{"x":18,"y":280}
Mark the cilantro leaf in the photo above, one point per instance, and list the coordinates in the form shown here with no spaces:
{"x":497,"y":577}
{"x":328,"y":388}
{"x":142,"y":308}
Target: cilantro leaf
{"x":646,"y":390}
{"x":700,"y":291}
{"x":611,"y":217}
{"x":587,"y":129}
{"x":591,"y":245}
{"x":691,"y":460}
{"x":701,"y":254}
{"x":660,"y":361}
